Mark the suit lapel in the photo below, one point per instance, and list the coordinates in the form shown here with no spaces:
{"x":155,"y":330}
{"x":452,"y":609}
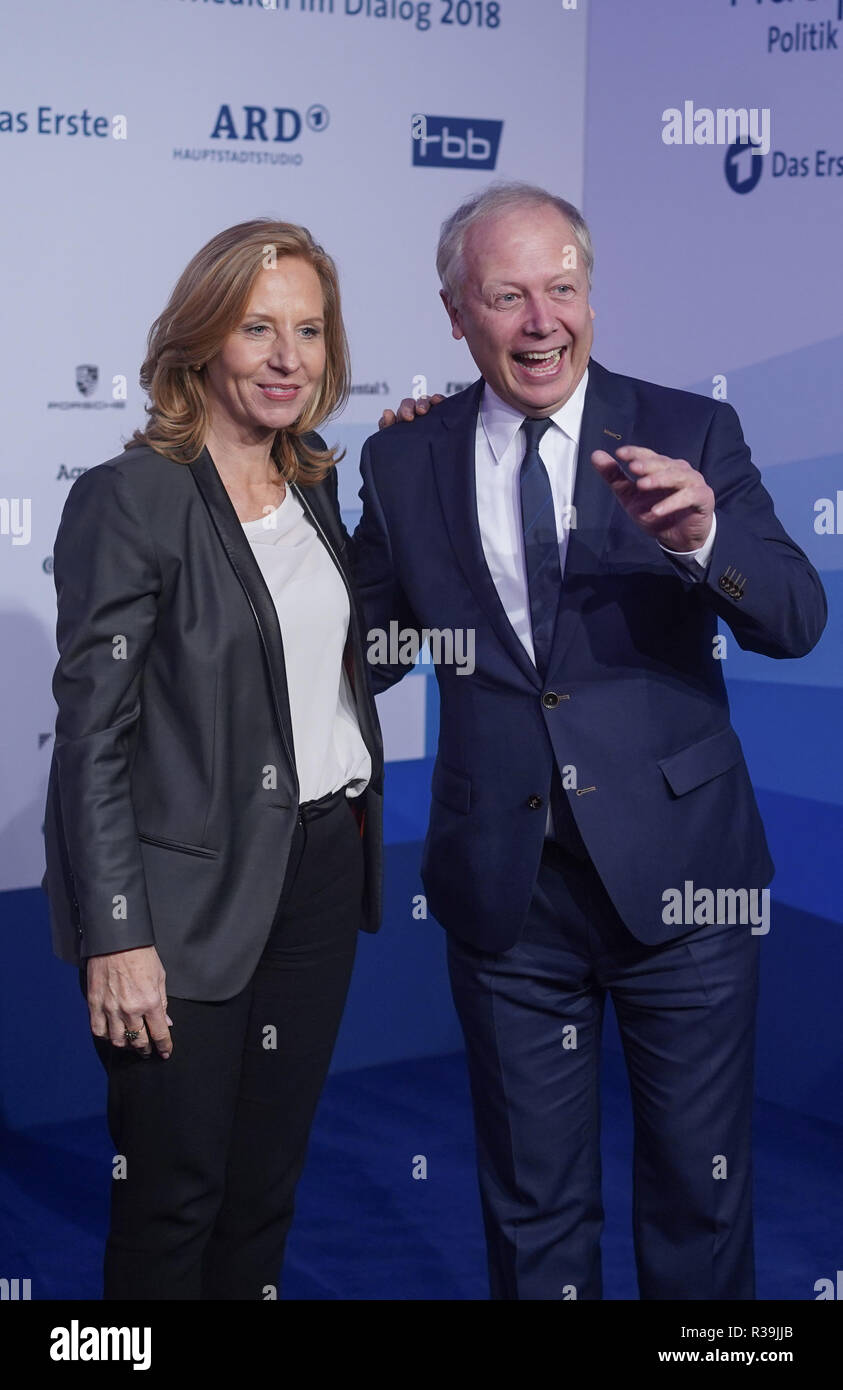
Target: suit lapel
{"x":227,"y":525}
{"x":607,"y":422}
{"x":453,"y":461}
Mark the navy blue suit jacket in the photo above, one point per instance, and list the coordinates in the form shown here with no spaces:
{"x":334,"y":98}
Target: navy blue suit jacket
{"x":663,"y":794}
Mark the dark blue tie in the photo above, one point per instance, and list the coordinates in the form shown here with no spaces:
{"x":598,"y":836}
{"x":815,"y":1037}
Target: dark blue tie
{"x":541,"y":544}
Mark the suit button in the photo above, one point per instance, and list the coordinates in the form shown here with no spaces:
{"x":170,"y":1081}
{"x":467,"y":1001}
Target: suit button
{"x":550,"y":699}
{"x":535,"y":803}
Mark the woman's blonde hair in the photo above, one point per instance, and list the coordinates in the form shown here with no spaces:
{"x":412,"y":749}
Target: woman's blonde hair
{"x":207,"y":303}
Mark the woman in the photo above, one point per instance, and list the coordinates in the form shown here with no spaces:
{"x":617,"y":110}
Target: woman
{"x":213,"y":825}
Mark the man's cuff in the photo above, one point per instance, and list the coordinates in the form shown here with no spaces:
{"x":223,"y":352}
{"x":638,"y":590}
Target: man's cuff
{"x":696,"y":561}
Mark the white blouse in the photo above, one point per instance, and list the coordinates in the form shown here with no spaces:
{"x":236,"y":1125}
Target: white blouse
{"x":312,"y":605}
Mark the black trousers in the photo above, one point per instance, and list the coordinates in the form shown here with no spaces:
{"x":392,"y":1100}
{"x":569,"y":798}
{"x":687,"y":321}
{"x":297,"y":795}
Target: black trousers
{"x":213,"y":1140}
{"x":532,"y":1018}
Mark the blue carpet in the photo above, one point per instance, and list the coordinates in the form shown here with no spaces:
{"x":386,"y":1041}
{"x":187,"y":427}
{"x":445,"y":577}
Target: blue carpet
{"x":365,"y":1229}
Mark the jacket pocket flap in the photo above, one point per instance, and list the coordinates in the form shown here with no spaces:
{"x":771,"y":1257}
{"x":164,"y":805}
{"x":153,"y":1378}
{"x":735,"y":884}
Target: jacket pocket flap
{"x":178,"y":845}
{"x":453,"y":788}
{"x":702,"y":761}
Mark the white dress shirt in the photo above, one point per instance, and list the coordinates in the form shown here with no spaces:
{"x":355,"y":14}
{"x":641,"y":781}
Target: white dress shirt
{"x":500,"y":445}
{"x":312,"y":605}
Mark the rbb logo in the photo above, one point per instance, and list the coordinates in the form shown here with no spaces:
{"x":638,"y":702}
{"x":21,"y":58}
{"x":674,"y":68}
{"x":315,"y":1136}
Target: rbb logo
{"x":454,"y":142}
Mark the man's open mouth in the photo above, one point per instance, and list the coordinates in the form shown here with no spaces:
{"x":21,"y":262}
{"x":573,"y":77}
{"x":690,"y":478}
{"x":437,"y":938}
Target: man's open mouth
{"x":541,"y":363}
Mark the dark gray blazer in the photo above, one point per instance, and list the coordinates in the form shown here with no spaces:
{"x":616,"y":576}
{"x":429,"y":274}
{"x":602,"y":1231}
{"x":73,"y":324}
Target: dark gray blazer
{"x":173,"y":793}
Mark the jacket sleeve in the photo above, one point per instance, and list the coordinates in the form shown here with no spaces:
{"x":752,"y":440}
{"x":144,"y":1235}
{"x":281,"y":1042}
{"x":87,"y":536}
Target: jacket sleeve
{"x":758,"y":579}
{"x":107,"y":584}
{"x":382,"y":599}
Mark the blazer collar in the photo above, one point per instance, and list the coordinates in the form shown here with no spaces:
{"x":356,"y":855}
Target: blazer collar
{"x":233,"y":538}
{"x":607,"y":420}
{"x":316,"y":502}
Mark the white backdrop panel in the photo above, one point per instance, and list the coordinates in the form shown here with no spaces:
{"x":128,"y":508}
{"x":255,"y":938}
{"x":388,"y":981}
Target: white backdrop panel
{"x":96,"y":229}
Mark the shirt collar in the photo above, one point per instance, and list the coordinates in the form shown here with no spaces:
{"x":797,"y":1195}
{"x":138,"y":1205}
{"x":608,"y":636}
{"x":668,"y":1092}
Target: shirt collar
{"x":501,"y":423}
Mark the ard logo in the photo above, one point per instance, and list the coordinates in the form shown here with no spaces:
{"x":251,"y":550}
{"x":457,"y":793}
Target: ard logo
{"x":87,"y":377}
{"x":743,"y":166}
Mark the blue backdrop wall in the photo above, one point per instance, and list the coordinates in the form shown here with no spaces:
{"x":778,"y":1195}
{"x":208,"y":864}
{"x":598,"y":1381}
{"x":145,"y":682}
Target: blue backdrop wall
{"x":717,"y":271}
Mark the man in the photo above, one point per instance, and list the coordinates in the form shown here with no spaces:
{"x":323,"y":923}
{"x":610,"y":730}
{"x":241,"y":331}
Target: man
{"x":591,"y":529}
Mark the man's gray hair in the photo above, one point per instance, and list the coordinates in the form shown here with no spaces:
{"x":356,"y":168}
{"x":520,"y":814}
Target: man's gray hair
{"x":500,"y":197}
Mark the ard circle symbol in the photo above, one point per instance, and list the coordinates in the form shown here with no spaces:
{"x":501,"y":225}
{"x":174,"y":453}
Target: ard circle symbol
{"x":743,"y":166}
{"x":318,"y":117}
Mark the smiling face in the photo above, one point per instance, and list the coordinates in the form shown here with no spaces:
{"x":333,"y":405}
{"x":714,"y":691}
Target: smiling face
{"x":272,"y":362}
{"x":523,"y":307}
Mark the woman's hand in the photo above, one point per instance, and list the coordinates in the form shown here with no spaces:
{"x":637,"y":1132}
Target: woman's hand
{"x":126,"y":993}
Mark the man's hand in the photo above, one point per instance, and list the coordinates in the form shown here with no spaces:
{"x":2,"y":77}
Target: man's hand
{"x":126,"y":992}
{"x":408,"y":410}
{"x":667,"y":498}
